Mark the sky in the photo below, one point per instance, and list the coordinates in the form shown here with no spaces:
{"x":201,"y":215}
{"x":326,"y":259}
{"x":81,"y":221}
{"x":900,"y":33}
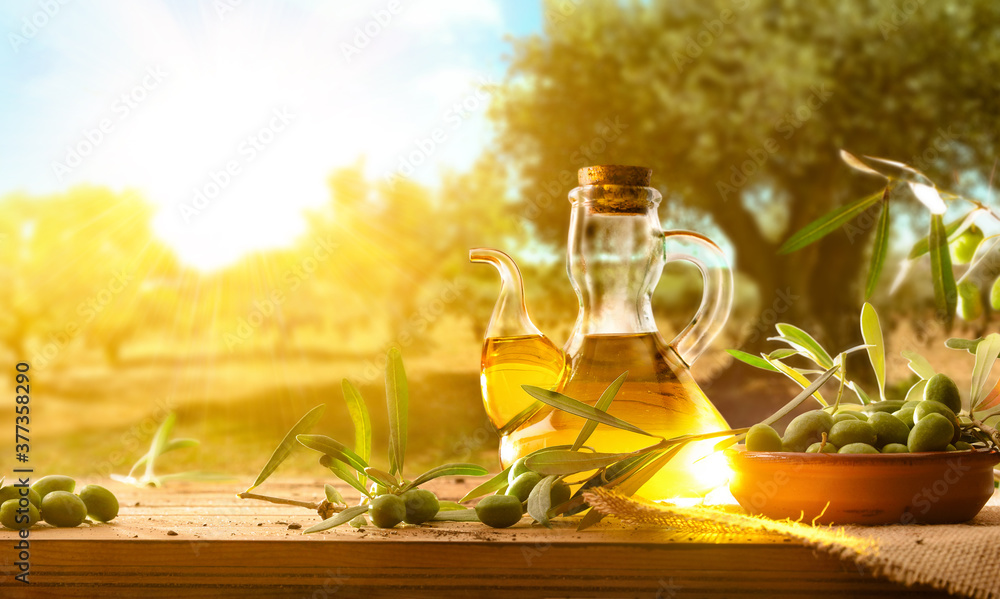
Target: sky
{"x":229,"y":115}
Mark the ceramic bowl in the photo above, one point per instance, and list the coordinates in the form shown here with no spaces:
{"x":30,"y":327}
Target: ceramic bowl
{"x":906,"y":488}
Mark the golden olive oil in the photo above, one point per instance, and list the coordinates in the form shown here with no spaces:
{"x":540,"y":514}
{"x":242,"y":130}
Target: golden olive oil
{"x":508,"y":363}
{"x":659,"y":396}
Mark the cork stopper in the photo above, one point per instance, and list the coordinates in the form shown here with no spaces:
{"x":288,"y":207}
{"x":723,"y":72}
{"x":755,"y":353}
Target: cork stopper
{"x":616,"y":188}
{"x":615,"y":174}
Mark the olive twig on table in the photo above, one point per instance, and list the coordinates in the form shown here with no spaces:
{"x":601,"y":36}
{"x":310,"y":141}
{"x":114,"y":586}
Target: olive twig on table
{"x":324,"y":508}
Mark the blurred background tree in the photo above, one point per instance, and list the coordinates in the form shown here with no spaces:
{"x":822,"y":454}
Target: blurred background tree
{"x":740,"y":107}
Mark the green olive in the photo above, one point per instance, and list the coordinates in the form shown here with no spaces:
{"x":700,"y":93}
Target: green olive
{"x":559,"y":493}
{"x":963,"y":446}
{"x":888,"y":429}
{"x":358,"y":521}
{"x":102,"y":505}
{"x":857,"y":448}
{"x":14,"y":492}
{"x":995,"y":295}
{"x":933,"y":432}
{"x":913,"y":403}
{"x":421,"y":506}
{"x":963,"y":249}
{"x":889,"y":405}
{"x":522,"y":485}
{"x":63,"y":509}
{"x":12,"y":517}
{"x":806,"y":429}
{"x":895,"y":448}
{"x":822,"y":448}
{"x":905,"y":416}
{"x":943,"y":390}
{"x":517,"y":469}
{"x":970,"y":303}
{"x":950,"y":447}
{"x":499,"y":511}
{"x":387,"y":511}
{"x":842,"y":416}
{"x":852,"y":431}
{"x":933,"y":407}
{"x":53,"y":482}
{"x":762,"y":437}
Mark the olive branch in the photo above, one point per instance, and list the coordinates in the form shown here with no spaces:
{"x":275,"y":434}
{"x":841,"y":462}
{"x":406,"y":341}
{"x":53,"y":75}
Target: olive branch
{"x":967,"y":242}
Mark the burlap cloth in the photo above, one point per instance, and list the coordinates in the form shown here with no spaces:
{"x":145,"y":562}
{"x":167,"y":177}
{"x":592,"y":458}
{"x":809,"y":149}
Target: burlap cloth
{"x":963,"y":559}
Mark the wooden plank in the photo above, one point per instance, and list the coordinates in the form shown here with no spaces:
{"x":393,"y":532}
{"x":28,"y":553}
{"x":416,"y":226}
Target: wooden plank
{"x":221,"y":551}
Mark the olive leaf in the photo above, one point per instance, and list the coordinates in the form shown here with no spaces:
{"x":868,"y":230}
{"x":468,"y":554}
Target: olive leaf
{"x":160,"y":445}
{"x":969,"y":345}
{"x":358,"y":410}
{"x":462,"y":515}
{"x":782,"y":353}
{"x":630,"y":484}
{"x":447,"y":470}
{"x":801,"y":397}
{"x":983,"y":254}
{"x":796,"y":337}
{"x":338,"y":519}
{"x":918,"y":364}
{"x":602,"y":404}
{"x":880,"y":249}
{"x":383,"y":478}
{"x":284,"y":448}
{"x":397,"y":396}
{"x":447,"y":506}
{"x":334,"y":449}
{"x":571,"y":461}
{"x":945,"y":289}
{"x":333,"y":495}
{"x":172,"y":445}
{"x":576,"y":503}
{"x":799,"y":378}
{"x":986,"y":355}
{"x":339,"y":469}
{"x":953,"y":230}
{"x":751,"y":359}
{"x":499,"y":481}
{"x":159,"y":442}
{"x":578,"y":408}
{"x":871,"y":332}
{"x":491,"y":486}
{"x":898,"y":171}
{"x":916,"y":392}
{"x":829,"y":223}
{"x":540,"y":501}
{"x":856,"y":163}
{"x":862,"y":396}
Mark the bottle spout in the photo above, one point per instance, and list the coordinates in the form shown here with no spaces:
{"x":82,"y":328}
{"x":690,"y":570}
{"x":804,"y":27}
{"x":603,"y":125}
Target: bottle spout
{"x":510,"y":315}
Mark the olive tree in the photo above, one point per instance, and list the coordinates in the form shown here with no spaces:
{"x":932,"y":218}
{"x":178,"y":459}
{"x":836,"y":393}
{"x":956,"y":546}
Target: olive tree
{"x":740,"y":107}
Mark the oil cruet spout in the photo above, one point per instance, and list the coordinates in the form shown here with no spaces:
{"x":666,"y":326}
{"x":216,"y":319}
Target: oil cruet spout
{"x":515,"y":353}
{"x":510,"y":315}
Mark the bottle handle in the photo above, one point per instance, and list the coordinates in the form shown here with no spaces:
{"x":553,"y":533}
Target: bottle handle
{"x":717,"y":298}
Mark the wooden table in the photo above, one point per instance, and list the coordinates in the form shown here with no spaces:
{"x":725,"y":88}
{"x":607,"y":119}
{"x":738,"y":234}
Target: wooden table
{"x":202,"y":541}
